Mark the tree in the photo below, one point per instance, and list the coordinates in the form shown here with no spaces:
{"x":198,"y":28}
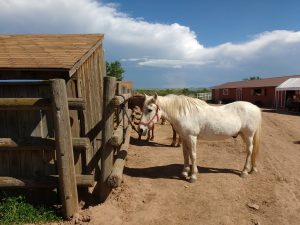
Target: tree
{"x":253,"y":78}
{"x":114,"y":69}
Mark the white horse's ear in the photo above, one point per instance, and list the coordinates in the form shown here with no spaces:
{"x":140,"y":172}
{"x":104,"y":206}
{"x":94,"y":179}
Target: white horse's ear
{"x":145,"y":96}
{"x":155,"y":97}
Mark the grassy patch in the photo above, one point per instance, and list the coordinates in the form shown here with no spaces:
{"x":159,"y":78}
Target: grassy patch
{"x":16,"y":210}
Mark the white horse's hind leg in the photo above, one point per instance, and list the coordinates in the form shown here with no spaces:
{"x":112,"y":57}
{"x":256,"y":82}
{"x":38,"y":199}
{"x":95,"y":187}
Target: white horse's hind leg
{"x":193,"y":155}
{"x":249,"y":148}
{"x":186,"y":166}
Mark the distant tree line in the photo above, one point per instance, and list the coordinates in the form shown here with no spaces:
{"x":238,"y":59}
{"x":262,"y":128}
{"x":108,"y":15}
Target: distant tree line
{"x":253,"y":78}
{"x":177,"y":91}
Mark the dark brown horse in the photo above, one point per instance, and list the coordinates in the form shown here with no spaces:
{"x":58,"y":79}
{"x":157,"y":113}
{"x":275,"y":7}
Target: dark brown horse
{"x":136,"y":103}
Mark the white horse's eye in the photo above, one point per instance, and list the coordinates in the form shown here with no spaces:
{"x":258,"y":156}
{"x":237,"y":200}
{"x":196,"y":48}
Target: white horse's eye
{"x":149,"y":110}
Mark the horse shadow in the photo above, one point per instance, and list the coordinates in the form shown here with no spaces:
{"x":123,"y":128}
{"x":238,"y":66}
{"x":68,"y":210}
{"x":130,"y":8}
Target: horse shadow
{"x":172,"y":171}
{"x":137,"y":142}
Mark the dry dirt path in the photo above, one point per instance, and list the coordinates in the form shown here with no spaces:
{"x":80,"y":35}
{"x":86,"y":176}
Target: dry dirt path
{"x":153,"y":194}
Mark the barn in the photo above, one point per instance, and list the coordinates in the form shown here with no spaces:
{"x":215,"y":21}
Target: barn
{"x":261,"y":92}
{"x":56,"y":116}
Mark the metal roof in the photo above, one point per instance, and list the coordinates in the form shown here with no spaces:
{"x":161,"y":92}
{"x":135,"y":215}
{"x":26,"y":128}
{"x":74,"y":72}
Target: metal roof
{"x":290,"y":84}
{"x":266,"y":82}
{"x":45,"y":51}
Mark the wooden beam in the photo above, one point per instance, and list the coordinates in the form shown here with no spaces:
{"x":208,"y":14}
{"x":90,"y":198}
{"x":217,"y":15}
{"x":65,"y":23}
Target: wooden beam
{"x":38,"y":143}
{"x":76,"y":103}
{"x":115,"y":178}
{"x":107,"y":151}
{"x":120,"y":99}
{"x":117,"y":137}
{"x":37,"y":104}
{"x":51,"y":181}
{"x":64,"y":150}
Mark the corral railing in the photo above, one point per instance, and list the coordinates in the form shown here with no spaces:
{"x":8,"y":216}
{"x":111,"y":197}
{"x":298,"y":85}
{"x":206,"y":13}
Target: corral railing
{"x":115,"y":131}
{"x":116,"y":135}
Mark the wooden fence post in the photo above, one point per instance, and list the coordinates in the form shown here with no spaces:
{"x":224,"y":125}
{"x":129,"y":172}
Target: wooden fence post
{"x":64,"y":149}
{"x":107,"y":151}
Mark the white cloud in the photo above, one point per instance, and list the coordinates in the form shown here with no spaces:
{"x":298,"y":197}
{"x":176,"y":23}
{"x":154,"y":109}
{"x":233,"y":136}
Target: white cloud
{"x":90,"y":16}
{"x":261,"y":47}
{"x":166,"y":45}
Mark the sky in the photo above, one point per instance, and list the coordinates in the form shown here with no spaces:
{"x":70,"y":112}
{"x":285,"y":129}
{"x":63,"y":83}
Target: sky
{"x":174,"y":43}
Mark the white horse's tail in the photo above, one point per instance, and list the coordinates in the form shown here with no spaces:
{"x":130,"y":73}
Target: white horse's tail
{"x":256,"y":146}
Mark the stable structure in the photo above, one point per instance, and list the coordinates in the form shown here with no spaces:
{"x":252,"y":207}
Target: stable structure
{"x":290,"y":89}
{"x":56,"y":115}
{"x":125,"y":86}
{"x":260,"y":92}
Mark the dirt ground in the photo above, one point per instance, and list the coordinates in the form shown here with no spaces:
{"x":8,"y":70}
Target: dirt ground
{"x":153,"y":193}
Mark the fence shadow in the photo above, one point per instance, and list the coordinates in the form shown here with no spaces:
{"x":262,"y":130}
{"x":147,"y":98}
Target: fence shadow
{"x":172,"y":171}
{"x":297,"y":142}
{"x":137,"y":142}
{"x":280,"y":111}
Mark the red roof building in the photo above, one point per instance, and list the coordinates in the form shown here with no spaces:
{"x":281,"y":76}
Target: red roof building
{"x":261,"y":92}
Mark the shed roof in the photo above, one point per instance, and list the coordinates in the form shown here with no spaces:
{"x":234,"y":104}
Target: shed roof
{"x":46,"y":51}
{"x":266,"y":82}
{"x":290,"y":84}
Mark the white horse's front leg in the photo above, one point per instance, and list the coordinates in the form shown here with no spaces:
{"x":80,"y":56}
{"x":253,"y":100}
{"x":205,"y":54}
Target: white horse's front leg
{"x":193,"y":155}
{"x":249,"y":148}
{"x":186,"y":166}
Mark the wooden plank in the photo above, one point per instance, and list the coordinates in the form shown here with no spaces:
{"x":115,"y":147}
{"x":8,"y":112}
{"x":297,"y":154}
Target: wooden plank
{"x":115,"y":178}
{"x":75,"y":130}
{"x":63,"y":140}
{"x":47,"y":131}
{"x":43,"y":182}
{"x":107,"y":151}
{"x":37,"y":104}
{"x":37,"y":143}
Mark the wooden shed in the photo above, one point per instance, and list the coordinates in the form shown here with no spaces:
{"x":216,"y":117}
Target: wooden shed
{"x":27,"y":63}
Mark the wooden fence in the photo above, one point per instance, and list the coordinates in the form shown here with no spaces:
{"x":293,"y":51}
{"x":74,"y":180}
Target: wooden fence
{"x":116,"y":135}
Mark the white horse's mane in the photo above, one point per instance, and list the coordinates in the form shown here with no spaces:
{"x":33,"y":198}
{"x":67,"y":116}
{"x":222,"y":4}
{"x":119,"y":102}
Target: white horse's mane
{"x":180,"y":104}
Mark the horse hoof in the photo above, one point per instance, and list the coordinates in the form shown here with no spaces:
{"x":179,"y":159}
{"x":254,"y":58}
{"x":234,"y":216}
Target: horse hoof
{"x":192,"y":180}
{"x":184,"y":175}
{"x":244,"y":174}
{"x":254,"y":170}
{"x":172,"y":145}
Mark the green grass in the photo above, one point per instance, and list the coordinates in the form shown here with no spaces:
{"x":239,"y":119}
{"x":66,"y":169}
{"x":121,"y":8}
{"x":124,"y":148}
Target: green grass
{"x":16,"y":210}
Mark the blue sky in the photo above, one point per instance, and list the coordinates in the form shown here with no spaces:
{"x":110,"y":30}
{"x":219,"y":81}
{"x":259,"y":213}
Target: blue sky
{"x":164,"y":43}
{"x":217,"y":21}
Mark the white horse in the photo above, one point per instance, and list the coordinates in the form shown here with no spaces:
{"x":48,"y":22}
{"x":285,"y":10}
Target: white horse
{"x":194,"y":118}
